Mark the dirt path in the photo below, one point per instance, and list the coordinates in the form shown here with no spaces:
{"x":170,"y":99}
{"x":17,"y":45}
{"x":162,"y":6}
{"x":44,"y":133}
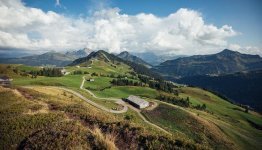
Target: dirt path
{"x":88,"y":101}
{"x":91,"y":93}
{"x":120,"y":101}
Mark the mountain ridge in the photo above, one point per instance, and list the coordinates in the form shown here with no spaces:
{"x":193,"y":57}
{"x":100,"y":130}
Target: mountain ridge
{"x":226,"y":61}
{"x":107,"y":57}
{"x":129,"y":57}
{"x":79,"y":53}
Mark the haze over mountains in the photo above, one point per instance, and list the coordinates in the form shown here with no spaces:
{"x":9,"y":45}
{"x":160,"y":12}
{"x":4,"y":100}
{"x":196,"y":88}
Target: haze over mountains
{"x":148,"y":59}
{"x":49,"y":58}
{"x":156,"y":59}
{"x":79,"y":53}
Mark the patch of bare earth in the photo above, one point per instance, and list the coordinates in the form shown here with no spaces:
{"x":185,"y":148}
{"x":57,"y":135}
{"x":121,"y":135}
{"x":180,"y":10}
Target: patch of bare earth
{"x":44,"y":109}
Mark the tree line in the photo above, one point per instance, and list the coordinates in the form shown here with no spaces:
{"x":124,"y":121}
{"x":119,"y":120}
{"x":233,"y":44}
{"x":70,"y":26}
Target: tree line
{"x":49,"y":72}
{"x":125,"y":82}
{"x":174,"y":100}
{"x":180,"y":102}
{"x":158,"y":84}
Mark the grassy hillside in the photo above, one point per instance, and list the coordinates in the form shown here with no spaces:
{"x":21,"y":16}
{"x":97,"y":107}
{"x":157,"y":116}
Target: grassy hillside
{"x":50,"y":119}
{"x":125,"y":91}
{"x":244,"y":128}
{"x":179,"y":121}
{"x":221,"y":125}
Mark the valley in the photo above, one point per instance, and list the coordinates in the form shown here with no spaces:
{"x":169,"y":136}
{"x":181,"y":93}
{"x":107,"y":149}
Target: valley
{"x":130,"y":75}
{"x":87,"y":101}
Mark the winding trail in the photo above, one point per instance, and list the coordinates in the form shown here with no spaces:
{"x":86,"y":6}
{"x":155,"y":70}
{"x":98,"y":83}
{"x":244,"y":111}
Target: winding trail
{"x":91,"y":93}
{"x":95,"y":104}
{"x":87,"y":100}
{"x":120,"y":101}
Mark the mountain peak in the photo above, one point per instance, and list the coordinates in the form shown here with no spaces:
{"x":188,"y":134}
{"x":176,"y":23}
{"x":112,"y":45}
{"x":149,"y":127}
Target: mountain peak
{"x":98,"y":55}
{"x":127,"y":56}
{"x":79,"y":53}
{"x":100,"y":51}
{"x":124,"y":54}
{"x":228,"y":51}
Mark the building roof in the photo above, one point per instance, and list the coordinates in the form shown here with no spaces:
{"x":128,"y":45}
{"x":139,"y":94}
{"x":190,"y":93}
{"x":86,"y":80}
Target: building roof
{"x":4,"y":77}
{"x":136,"y":99}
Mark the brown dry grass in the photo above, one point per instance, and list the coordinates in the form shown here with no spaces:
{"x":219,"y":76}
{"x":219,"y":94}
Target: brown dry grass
{"x":107,"y":141}
{"x":43,"y":110}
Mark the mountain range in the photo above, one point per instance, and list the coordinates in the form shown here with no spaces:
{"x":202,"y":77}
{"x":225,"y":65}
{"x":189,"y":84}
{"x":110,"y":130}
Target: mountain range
{"x":226,"y":61}
{"x":49,"y":58}
{"x":79,"y":53}
{"x":155,"y":59}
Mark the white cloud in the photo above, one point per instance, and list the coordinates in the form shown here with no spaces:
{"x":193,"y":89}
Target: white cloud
{"x":246,"y":49}
{"x":182,"y":32}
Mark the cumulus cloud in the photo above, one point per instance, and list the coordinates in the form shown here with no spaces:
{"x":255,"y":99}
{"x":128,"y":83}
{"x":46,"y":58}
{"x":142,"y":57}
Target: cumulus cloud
{"x":182,"y":32}
{"x":246,"y":49}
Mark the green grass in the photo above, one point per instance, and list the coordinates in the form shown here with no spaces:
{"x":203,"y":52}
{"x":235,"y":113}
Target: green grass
{"x":125,"y":91}
{"x":107,"y":103}
{"x":99,"y":83}
{"x":179,"y":121}
{"x":230,"y":118}
{"x":68,"y":81}
{"x":27,"y":68}
{"x":219,"y":106}
{"x":101,"y":67}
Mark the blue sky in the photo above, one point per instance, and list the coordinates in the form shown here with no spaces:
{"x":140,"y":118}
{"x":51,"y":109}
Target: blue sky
{"x":170,"y":27}
{"x":244,"y":16}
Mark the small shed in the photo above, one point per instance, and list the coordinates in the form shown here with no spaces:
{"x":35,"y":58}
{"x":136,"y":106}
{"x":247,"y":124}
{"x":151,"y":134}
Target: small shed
{"x":137,"y":101}
{"x":63,"y":71}
{"x":91,"y":80}
{"x":5,"y":81}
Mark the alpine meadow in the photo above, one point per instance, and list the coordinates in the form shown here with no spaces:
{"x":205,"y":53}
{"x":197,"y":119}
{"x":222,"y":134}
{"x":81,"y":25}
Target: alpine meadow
{"x":112,"y":74}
